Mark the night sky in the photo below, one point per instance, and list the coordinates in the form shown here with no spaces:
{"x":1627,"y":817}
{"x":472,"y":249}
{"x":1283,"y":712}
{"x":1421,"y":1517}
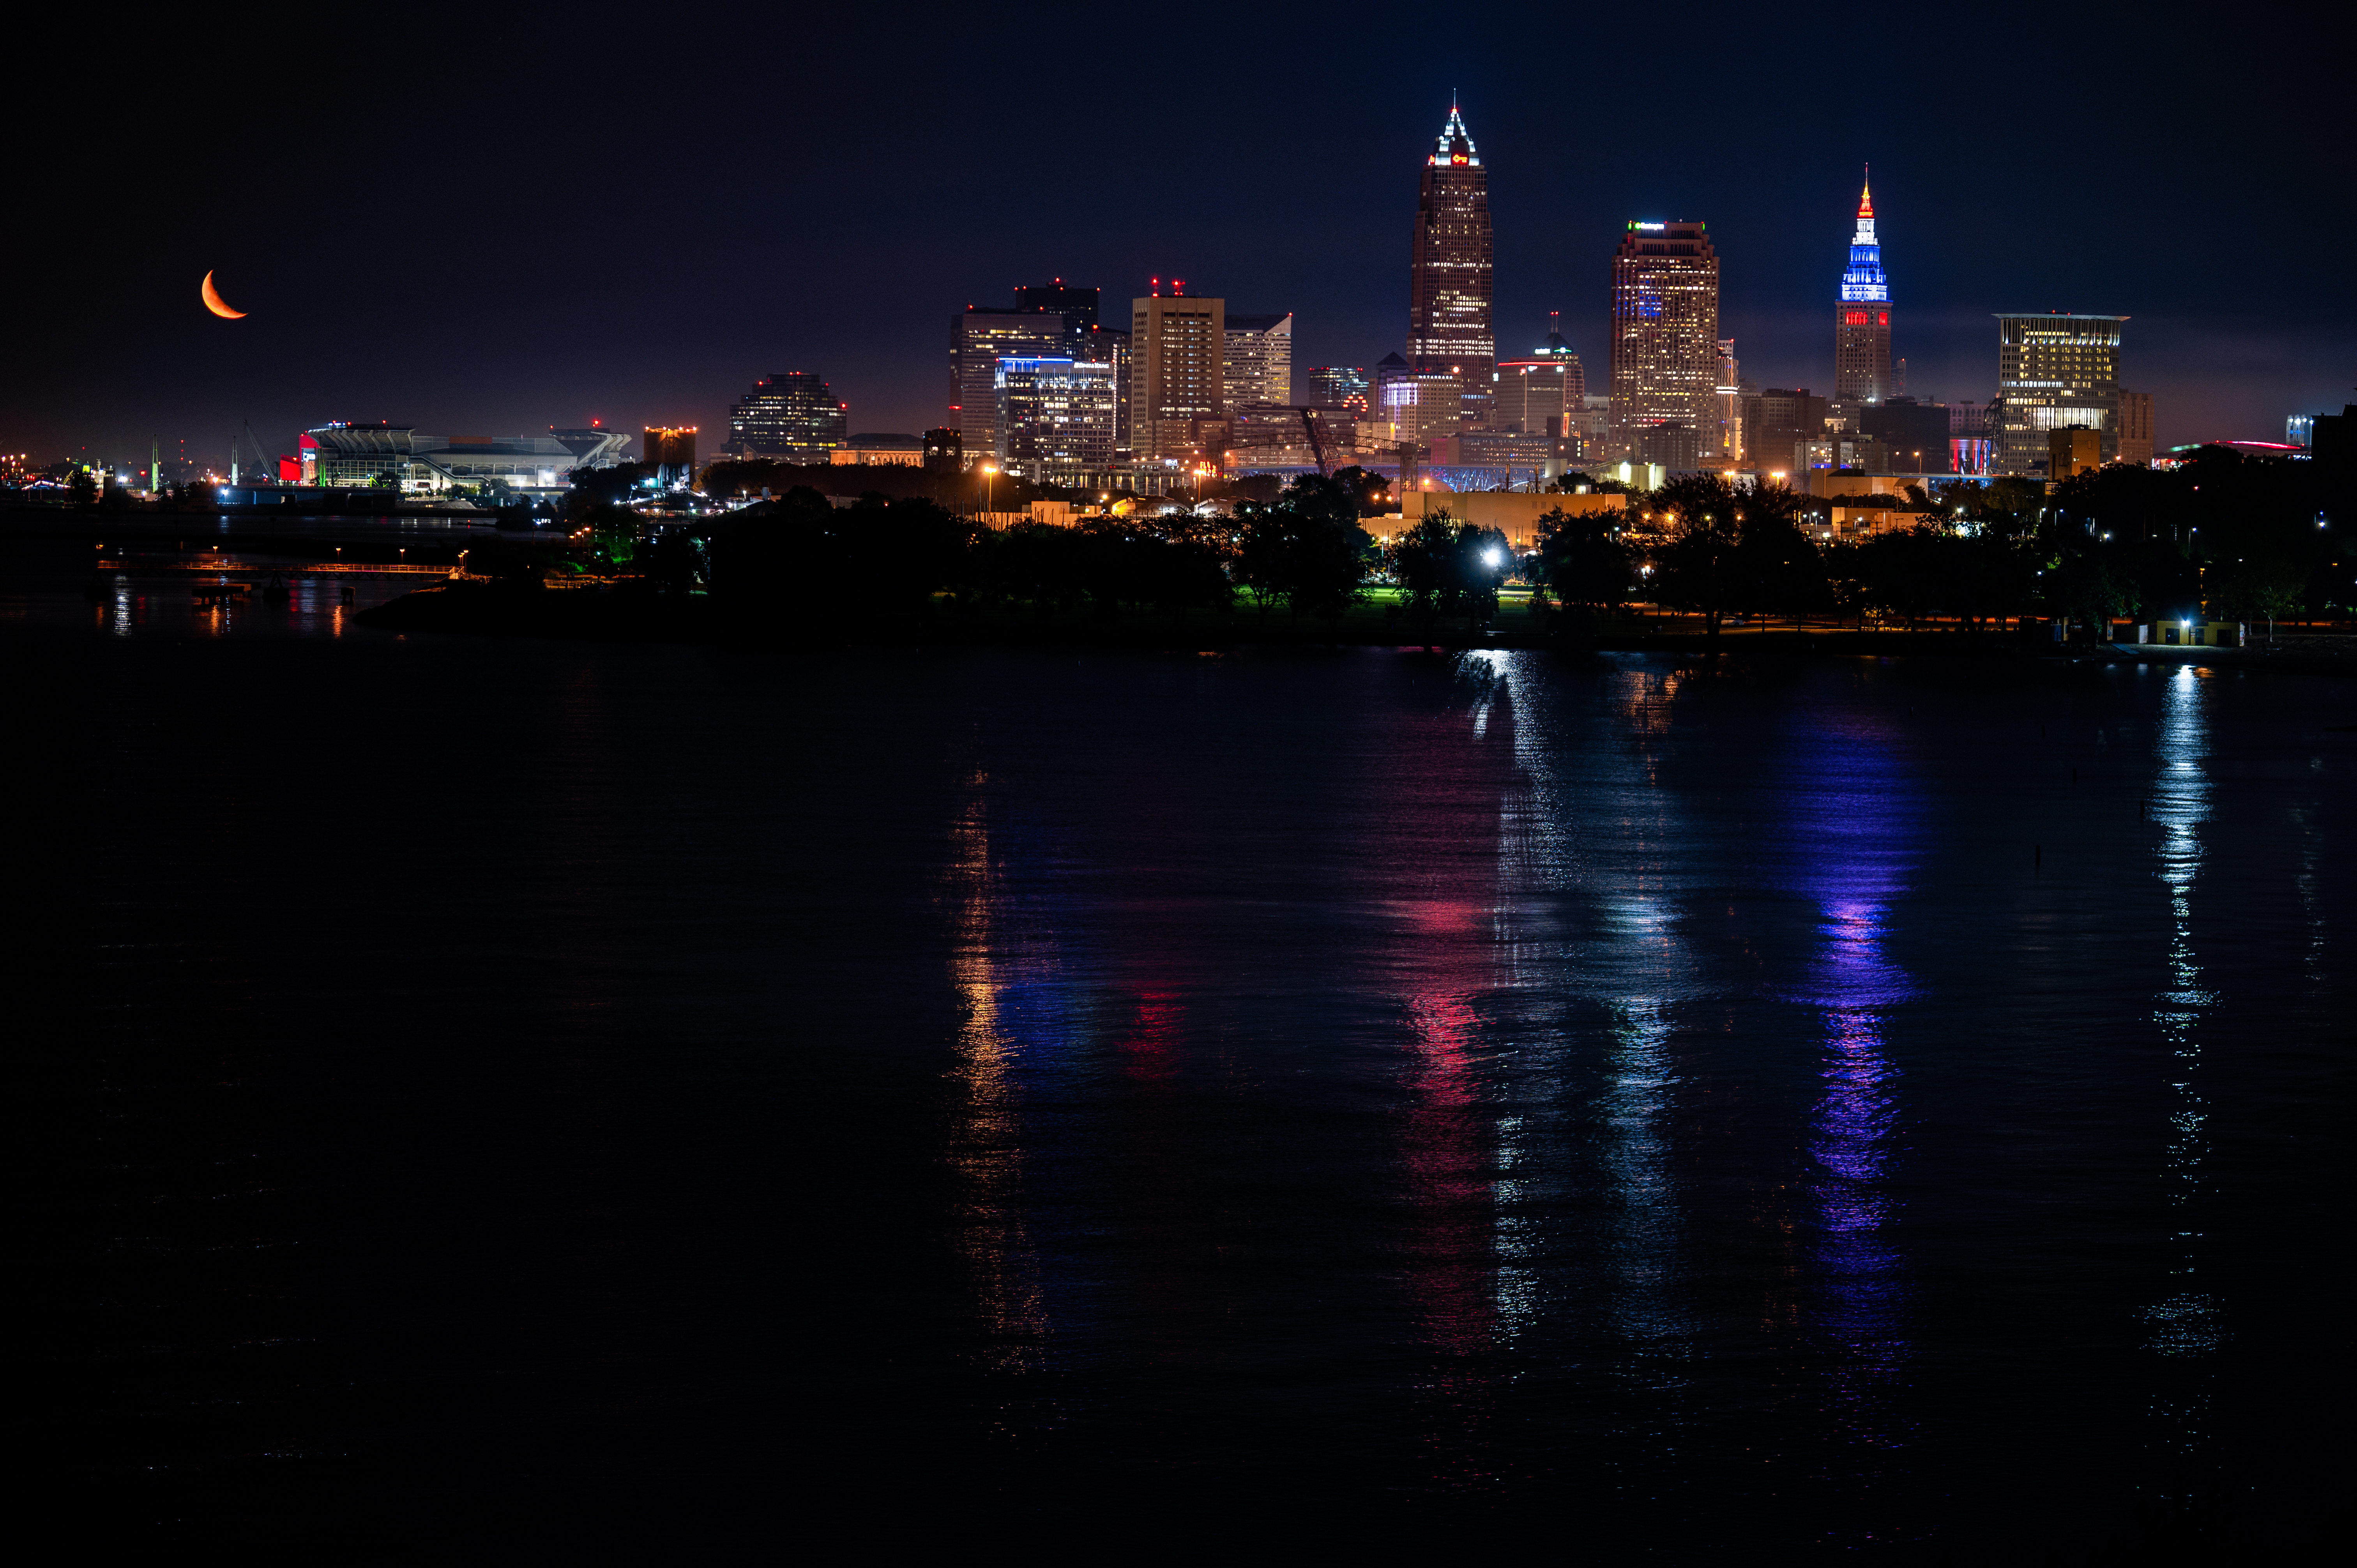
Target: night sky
{"x":481,"y":225}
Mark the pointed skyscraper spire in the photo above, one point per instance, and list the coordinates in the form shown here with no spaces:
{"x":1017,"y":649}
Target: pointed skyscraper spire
{"x":1450,"y":331}
{"x":1455,"y":147}
{"x":1862,"y":367}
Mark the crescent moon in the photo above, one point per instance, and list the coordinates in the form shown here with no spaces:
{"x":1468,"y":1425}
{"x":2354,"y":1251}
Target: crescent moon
{"x":215,"y":303}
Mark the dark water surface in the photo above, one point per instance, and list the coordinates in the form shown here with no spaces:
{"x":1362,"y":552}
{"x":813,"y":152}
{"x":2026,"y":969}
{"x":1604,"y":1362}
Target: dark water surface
{"x":1663,"y":1111}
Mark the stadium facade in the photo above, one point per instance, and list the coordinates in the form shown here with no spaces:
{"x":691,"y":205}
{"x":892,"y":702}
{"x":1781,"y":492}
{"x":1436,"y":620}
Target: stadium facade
{"x":353,"y":457}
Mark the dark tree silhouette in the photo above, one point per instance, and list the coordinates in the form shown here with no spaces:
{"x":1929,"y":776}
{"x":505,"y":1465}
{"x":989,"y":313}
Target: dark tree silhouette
{"x":1580,"y":564}
{"x":1700,"y":568}
{"x":1444,"y":567}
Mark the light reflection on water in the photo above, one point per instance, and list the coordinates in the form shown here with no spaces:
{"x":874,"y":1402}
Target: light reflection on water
{"x":1855,"y":818}
{"x":1591,"y":1134}
{"x":2184,"y":1325}
{"x":128,"y":605}
{"x":985,"y":1143}
{"x":1622,"y":1092}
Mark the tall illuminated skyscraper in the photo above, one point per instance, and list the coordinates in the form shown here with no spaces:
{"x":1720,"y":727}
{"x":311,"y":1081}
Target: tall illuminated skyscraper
{"x":1862,"y":320}
{"x":1665,"y":345}
{"x":1178,"y":354}
{"x":1449,"y":282}
{"x":980,"y":336}
{"x":2054,"y":372}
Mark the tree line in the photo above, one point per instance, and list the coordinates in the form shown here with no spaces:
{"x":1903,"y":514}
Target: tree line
{"x":2236,"y":537}
{"x":2226,"y":536}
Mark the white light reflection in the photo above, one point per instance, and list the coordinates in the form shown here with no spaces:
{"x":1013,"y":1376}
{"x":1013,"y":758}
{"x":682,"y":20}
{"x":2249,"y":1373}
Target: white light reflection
{"x":1646,"y":1220}
{"x":1580,"y":814}
{"x":2183,"y":1327}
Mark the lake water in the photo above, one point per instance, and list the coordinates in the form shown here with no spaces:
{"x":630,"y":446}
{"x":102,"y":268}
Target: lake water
{"x":1327,"y":1099}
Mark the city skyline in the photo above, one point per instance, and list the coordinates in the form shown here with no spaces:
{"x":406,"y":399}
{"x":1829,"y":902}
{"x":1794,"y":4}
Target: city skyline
{"x":487,"y":321}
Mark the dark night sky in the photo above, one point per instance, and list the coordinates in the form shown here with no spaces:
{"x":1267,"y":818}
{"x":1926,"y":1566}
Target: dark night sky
{"x":483,"y":225}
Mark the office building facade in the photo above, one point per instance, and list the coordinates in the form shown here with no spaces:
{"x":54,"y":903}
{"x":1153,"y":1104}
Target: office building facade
{"x":1664,"y":333}
{"x":2073,"y":451}
{"x":2135,"y":444}
{"x":1413,"y":407}
{"x":1538,"y":395}
{"x":1087,"y":340}
{"x":793,"y":416}
{"x":1178,"y":372}
{"x":1781,"y":428}
{"x":1055,"y":417}
{"x":1727,"y":400}
{"x":1339,"y":386}
{"x":2054,"y":372}
{"x":982,"y":335}
{"x":1862,"y":370}
{"x":1914,"y":434}
{"x":1450,"y":264}
{"x":1257,"y":359}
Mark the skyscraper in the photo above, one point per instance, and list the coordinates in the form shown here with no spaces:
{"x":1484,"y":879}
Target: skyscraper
{"x":1729,"y":448}
{"x":979,"y":337}
{"x":1862,"y":319}
{"x":1176,"y":358}
{"x":1533,"y":396}
{"x":1055,"y":417}
{"x":2054,"y":372}
{"x":1449,"y":282}
{"x":1665,"y":343}
{"x":1077,"y":306}
{"x":1339,"y":386}
{"x":792,"y":414}
{"x":2135,"y":443}
{"x":1258,"y":358}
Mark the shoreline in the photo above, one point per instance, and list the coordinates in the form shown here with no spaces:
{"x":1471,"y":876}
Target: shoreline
{"x":461,"y":607}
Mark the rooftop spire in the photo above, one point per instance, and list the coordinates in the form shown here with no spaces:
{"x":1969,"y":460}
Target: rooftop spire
{"x":1455,"y":144}
{"x":1866,"y":198}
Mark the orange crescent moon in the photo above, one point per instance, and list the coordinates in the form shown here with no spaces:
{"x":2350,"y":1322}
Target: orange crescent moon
{"x":216,"y":303}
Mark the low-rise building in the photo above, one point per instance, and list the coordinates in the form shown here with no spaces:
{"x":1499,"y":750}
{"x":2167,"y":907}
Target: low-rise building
{"x":2076,"y":451}
{"x":881,"y":451}
{"x":1517,"y":514}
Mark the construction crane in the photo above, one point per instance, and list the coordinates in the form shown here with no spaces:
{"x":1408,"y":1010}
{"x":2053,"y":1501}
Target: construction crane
{"x":244,"y":438}
{"x":1317,"y":446}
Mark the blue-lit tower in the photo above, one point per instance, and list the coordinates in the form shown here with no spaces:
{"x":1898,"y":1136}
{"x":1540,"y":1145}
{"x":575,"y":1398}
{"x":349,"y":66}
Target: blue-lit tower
{"x":1862,"y":321}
